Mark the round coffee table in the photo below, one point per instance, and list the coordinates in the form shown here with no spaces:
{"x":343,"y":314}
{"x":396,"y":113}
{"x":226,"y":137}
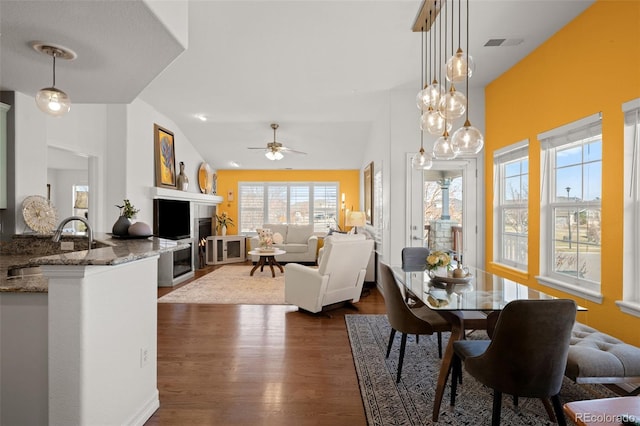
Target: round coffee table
{"x":267,"y":258}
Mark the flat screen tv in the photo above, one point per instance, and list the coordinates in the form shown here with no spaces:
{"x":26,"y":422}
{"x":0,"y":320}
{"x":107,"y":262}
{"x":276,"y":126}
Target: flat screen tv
{"x":171,"y":219}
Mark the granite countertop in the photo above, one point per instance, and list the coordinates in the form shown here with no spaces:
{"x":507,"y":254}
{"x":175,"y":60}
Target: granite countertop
{"x":113,"y":251}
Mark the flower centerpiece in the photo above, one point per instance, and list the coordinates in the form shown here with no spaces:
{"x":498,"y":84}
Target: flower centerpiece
{"x":265,"y":239}
{"x":439,"y":262}
{"x":223,"y":222}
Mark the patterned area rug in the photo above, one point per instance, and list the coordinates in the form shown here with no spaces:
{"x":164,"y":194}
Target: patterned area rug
{"x":232,"y":285}
{"x":410,"y":402}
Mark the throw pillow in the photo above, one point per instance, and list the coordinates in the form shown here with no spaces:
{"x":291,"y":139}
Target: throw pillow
{"x":277,"y":238}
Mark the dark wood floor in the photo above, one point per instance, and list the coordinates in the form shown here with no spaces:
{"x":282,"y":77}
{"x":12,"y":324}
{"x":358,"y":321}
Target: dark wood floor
{"x":256,"y":365}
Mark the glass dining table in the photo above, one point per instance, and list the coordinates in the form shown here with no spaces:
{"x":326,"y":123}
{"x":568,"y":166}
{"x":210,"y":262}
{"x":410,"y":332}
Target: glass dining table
{"x":479,"y":291}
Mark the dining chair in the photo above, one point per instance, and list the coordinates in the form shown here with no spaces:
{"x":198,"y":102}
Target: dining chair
{"x":414,"y":256}
{"x":406,"y":320}
{"x":526,"y":356}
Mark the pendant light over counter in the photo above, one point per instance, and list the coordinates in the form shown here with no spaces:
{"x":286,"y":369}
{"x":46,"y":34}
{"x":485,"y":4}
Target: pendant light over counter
{"x":441,"y":104}
{"x":52,"y":100}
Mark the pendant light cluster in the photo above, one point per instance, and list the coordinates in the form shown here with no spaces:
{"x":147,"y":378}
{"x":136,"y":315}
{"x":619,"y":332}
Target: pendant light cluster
{"x":441,"y":104}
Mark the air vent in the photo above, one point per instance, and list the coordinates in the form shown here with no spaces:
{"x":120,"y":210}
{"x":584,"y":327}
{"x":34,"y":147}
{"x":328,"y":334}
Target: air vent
{"x":495,"y":42}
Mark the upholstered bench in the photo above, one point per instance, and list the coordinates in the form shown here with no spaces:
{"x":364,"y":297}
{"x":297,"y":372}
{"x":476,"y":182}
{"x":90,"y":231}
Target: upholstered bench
{"x":595,"y":357}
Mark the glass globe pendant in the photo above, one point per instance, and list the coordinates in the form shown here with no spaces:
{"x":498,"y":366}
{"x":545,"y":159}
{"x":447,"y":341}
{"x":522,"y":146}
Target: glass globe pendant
{"x":459,"y":67}
{"x":421,"y":161}
{"x":430,"y":96}
{"x":53,"y":101}
{"x":434,"y":123}
{"x":453,"y":105}
{"x":443,"y":148}
{"x":467,"y":140}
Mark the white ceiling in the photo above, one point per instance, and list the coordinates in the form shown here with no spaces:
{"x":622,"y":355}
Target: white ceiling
{"x":322,"y":69}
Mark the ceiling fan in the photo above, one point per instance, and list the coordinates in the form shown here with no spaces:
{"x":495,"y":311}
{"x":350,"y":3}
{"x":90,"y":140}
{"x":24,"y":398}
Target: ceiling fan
{"x":274,"y":150}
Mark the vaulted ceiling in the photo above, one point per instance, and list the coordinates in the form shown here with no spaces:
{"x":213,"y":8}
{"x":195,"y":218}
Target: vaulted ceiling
{"x":322,"y":69}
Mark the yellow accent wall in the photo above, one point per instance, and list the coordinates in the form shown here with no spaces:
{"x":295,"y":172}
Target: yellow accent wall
{"x":348,"y":183}
{"x":591,"y":65}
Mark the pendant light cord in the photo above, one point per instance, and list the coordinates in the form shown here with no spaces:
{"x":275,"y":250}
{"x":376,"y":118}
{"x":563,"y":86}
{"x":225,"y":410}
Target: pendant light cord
{"x":54,"y":68}
{"x":468,"y":59}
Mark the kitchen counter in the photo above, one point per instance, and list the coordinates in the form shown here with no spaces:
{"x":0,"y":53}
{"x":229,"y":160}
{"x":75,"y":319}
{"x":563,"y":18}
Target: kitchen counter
{"x":112,"y":251}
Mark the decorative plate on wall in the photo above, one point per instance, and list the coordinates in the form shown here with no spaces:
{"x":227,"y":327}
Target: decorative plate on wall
{"x":205,"y":178}
{"x":39,"y":214}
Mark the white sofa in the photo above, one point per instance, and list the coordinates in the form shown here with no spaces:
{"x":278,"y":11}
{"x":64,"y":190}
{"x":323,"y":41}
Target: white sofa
{"x":338,"y":278}
{"x":299,"y":242}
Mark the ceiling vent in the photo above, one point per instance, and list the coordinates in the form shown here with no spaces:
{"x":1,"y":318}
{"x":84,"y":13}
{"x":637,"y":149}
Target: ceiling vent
{"x":496,"y":42}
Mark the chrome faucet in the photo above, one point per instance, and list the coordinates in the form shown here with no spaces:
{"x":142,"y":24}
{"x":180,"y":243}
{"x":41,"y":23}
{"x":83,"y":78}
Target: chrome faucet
{"x":58,"y":233}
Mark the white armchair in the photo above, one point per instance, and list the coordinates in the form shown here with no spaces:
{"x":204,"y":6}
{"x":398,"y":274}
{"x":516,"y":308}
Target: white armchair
{"x":339,"y":277}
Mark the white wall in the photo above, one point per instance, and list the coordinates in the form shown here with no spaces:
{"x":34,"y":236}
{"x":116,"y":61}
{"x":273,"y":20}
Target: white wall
{"x":30,"y":154}
{"x":140,"y":168}
{"x":120,"y":144}
{"x":395,"y":134}
{"x":62,"y":182}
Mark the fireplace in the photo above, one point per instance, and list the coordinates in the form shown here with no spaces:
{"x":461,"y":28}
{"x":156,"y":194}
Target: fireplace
{"x":205,"y":229}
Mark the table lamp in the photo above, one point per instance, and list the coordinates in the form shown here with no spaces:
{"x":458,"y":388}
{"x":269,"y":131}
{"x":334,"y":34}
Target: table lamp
{"x":355,"y":219}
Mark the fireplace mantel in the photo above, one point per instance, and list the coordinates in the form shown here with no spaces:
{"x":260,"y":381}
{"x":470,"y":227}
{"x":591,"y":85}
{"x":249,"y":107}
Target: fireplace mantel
{"x":174,"y":194}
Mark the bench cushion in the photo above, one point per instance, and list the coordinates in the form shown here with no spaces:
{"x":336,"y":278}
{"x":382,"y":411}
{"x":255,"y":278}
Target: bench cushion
{"x":595,"y":355}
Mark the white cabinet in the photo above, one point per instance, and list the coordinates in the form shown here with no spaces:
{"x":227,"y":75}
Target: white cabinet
{"x":225,"y":249}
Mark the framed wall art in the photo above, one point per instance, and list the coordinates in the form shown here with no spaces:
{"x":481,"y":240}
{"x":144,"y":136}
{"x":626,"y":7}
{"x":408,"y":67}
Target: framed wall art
{"x":165,"y":157}
{"x":368,"y":192}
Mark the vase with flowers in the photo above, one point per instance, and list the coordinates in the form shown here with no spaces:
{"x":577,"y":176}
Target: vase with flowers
{"x":265,"y":239}
{"x":438,"y":263}
{"x":223,"y":221}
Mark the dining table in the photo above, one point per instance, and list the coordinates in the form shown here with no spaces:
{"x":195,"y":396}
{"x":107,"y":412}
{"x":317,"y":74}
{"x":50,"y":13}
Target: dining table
{"x":476,"y":291}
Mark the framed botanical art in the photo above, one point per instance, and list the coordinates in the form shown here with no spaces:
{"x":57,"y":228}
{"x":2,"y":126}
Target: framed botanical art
{"x":165,"y":157}
{"x":368,"y":193}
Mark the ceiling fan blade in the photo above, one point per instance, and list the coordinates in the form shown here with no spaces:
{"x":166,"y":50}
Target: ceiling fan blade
{"x":293,"y":151}
{"x":255,"y":147}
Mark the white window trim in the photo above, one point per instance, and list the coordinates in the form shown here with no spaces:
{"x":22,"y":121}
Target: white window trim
{"x":267,"y":184}
{"x":630,"y":302}
{"x":514,"y":151}
{"x":552,"y":139}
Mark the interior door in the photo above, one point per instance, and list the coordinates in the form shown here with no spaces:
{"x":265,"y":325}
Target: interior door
{"x":424,"y":193}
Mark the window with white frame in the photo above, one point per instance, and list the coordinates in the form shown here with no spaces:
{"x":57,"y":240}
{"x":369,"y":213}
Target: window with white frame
{"x":511,"y":210}
{"x":631,"y":250}
{"x":296,"y":203}
{"x":571,"y":207}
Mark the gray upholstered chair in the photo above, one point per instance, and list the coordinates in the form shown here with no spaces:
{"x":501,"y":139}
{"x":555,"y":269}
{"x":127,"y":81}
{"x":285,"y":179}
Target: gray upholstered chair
{"x":526,"y":357}
{"x":414,"y":257}
{"x":406,"y":320}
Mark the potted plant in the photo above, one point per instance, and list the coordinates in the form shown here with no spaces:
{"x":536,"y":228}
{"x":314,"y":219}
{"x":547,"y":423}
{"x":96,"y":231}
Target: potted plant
{"x":223,"y":221}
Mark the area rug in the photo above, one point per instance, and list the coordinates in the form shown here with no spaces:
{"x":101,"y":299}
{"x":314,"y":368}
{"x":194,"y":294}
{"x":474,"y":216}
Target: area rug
{"x":410,"y":402}
{"x":232,"y":285}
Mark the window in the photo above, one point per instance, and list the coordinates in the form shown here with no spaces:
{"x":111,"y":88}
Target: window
{"x":511,"y":210}
{"x":631,"y":252}
{"x":294,"y":203}
{"x":571,"y":207}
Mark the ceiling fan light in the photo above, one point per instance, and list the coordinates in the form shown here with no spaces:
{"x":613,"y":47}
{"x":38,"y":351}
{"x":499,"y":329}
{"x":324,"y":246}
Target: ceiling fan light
{"x":53,"y":101}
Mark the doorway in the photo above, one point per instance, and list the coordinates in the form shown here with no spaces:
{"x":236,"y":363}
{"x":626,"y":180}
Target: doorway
{"x":442,"y":206}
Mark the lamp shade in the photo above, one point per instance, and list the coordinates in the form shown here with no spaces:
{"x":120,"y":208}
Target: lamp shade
{"x":355,"y":218}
